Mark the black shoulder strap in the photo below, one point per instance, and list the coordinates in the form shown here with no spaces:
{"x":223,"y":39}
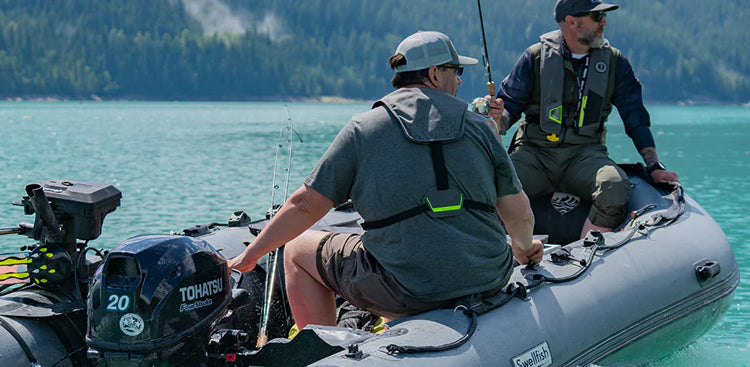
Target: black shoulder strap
{"x":441,"y":177}
{"x":438,"y":165}
{"x":406,"y":214}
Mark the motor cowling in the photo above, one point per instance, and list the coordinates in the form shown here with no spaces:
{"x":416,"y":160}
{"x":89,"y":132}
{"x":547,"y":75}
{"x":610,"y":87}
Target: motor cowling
{"x":154,"y":301}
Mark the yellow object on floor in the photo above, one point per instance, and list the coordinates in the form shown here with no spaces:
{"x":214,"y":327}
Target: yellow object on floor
{"x":380,"y":326}
{"x":293,"y":331}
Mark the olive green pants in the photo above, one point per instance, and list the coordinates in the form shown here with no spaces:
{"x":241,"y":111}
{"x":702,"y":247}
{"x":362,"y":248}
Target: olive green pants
{"x":585,"y":171}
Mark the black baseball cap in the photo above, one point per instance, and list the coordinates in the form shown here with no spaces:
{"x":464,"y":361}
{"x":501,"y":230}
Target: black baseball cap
{"x":564,"y":8}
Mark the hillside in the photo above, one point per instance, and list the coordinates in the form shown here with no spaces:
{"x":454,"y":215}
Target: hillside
{"x":682,"y":50}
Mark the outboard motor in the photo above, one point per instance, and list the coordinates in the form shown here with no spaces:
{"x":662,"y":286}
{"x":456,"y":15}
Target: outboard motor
{"x":154,"y":301}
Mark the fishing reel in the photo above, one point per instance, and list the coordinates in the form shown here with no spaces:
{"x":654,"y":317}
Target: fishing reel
{"x":65,"y":211}
{"x":480,"y":106}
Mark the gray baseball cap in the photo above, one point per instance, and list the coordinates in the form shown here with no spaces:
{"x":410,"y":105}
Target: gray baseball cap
{"x":564,"y":8}
{"x":424,"y":49}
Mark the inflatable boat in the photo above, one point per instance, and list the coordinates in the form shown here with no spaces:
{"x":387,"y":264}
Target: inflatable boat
{"x":657,"y":283}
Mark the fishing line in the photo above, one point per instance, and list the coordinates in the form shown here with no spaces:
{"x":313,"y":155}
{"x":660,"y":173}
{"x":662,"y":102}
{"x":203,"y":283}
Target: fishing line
{"x":286,"y":136}
{"x":481,"y":105}
{"x":490,"y":83}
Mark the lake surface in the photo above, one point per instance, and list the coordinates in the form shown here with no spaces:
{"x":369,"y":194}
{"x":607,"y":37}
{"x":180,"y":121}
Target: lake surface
{"x":179,"y":164}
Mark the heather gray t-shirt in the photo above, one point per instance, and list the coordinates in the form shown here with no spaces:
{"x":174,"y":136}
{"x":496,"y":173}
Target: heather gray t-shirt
{"x":381,"y":160}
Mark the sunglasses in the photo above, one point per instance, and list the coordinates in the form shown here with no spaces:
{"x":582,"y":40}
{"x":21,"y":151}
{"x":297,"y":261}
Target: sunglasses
{"x":597,"y":16}
{"x":457,"y":69}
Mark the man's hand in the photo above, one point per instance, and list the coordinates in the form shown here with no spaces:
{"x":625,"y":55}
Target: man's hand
{"x":514,"y":210}
{"x":661,"y":175}
{"x":658,"y":175}
{"x":497,"y":114}
{"x":497,"y":106}
{"x":534,"y":255}
{"x":242,"y":263}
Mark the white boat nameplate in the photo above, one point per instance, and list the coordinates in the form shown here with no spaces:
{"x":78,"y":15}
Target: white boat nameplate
{"x":539,"y":356}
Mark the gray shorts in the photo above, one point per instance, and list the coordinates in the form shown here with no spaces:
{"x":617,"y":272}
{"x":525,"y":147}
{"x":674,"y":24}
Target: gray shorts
{"x":353,"y":273}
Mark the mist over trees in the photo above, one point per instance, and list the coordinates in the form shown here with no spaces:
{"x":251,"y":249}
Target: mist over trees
{"x":259,"y":50}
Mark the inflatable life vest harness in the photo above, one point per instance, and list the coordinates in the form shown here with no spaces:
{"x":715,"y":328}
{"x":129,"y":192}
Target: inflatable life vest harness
{"x":154,"y":300}
{"x":441,"y":201}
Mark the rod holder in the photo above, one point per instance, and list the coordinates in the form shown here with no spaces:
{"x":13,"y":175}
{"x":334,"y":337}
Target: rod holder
{"x":43,"y":210}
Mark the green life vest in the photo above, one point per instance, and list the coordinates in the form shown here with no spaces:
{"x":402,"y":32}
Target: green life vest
{"x":561,"y":97}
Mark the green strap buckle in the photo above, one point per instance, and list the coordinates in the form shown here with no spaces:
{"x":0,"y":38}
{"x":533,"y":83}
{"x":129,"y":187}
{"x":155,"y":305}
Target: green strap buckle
{"x":445,"y":203}
{"x":555,"y":114}
{"x":447,"y":208}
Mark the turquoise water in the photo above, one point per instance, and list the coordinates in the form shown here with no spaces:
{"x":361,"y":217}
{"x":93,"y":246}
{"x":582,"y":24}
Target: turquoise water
{"x":179,"y":164}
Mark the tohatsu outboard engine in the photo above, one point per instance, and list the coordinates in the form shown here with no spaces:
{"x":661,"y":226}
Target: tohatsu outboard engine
{"x":154,"y":301}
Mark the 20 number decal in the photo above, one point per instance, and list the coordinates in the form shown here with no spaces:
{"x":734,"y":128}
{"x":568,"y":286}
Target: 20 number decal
{"x":118,"y":303}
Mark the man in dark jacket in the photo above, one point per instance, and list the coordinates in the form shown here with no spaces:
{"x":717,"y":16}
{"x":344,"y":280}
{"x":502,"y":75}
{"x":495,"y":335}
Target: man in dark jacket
{"x":566,"y":85}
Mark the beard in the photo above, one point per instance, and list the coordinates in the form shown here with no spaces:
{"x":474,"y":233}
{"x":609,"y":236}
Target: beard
{"x":590,"y":37}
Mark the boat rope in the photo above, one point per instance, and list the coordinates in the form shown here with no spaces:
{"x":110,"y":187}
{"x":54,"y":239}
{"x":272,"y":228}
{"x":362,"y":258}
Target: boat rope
{"x":472,"y":306}
{"x":22,"y":343}
{"x":670,"y":215}
{"x":595,"y":241}
{"x":79,"y":350}
{"x":67,"y":331}
{"x":405,"y":349}
{"x":657,"y":220}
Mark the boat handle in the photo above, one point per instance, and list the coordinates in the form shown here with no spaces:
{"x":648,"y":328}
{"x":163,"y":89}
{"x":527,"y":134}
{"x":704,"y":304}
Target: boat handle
{"x":707,"y":269}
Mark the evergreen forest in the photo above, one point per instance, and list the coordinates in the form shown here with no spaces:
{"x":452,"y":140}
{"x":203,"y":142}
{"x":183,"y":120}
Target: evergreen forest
{"x":681,"y":50}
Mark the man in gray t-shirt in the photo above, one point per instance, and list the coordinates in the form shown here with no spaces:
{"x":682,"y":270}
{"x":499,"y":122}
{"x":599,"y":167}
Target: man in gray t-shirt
{"x":432,"y":181}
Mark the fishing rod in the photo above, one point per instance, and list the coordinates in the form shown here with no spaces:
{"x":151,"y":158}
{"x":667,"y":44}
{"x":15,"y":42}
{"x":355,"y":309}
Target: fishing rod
{"x":490,"y":83}
{"x":11,"y":230}
{"x":286,"y":134}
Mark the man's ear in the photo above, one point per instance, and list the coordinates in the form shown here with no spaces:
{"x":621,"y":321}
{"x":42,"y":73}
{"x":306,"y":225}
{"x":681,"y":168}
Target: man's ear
{"x":432,"y":74}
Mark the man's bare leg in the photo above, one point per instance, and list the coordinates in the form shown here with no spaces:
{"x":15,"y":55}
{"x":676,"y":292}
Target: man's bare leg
{"x":311,"y":301}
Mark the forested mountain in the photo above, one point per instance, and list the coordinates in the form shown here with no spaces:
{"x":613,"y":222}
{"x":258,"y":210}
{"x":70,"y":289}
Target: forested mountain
{"x":252,"y":49}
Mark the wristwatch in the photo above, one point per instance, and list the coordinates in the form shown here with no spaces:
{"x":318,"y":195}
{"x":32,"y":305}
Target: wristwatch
{"x":654,"y":167}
